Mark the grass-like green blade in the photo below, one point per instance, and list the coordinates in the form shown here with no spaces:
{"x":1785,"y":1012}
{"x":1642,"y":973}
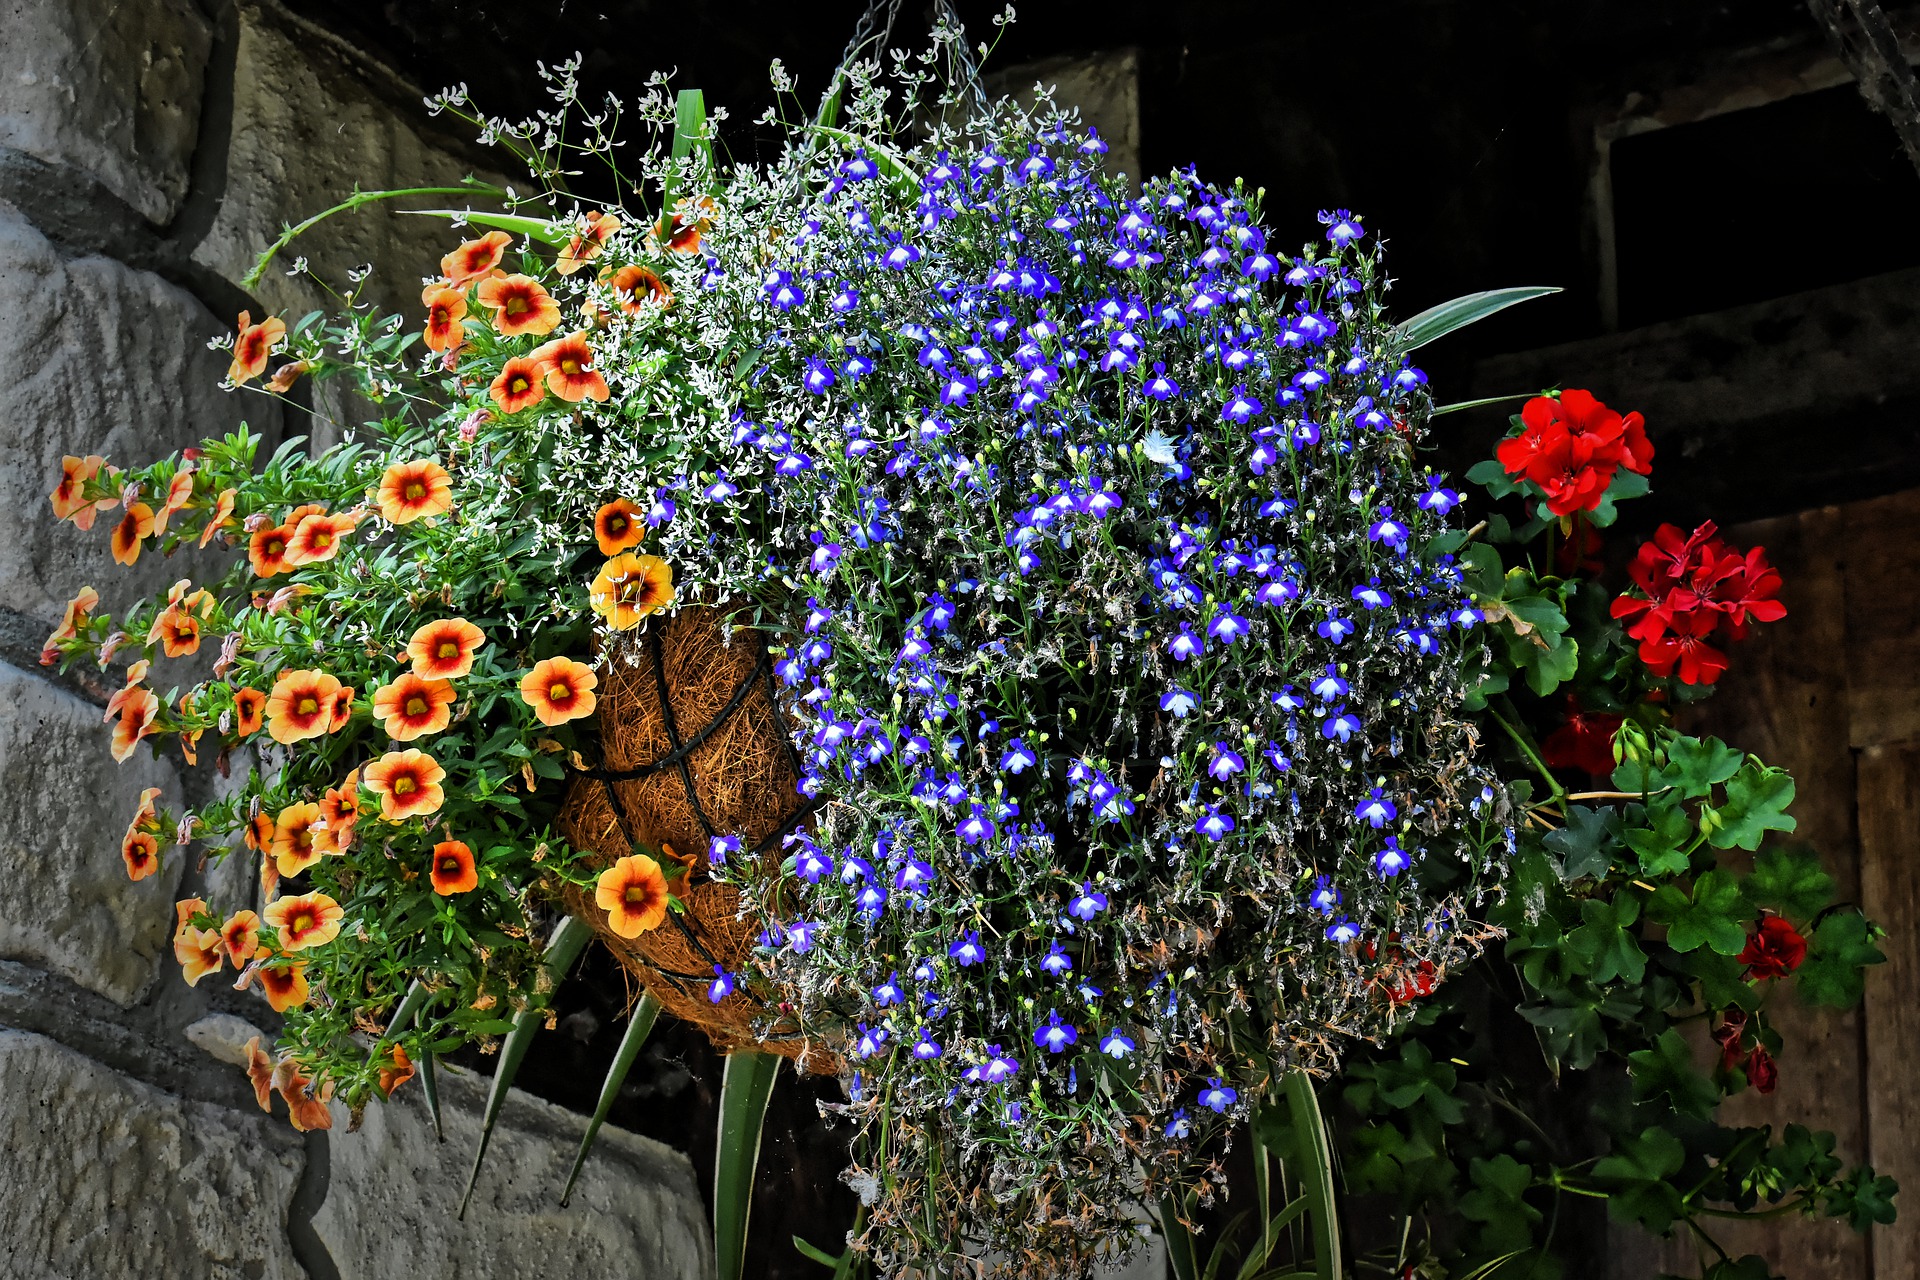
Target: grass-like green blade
{"x":563,"y":948}
{"x":1180,"y":1251}
{"x":1475,"y":404}
{"x":1438,"y":322}
{"x":541,"y":229}
{"x":430,"y":1085}
{"x":1316,"y":1174}
{"x":690,"y":126}
{"x":359,"y":200}
{"x":403,"y":1015}
{"x":745,"y":1087}
{"x":638,"y":1027}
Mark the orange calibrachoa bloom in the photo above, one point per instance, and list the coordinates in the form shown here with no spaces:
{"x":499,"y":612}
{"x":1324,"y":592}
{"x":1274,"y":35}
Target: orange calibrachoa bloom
{"x":222,"y":515}
{"x":285,"y":985}
{"x":267,"y":550}
{"x":412,"y":707}
{"x":240,"y":935}
{"x":177,"y":631}
{"x":300,"y":706}
{"x":69,"y":502}
{"x":408,"y":784}
{"x":304,"y":1110}
{"x":340,"y":711}
{"x":629,"y":587}
{"x":260,"y":1072}
{"x":198,"y":950}
{"x":340,"y":810}
{"x":140,"y":850}
{"x":71,"y":621}
{"x":179,"y":491}
{"x":633,"y":893}
{"x":568,"y":363}
{"x":559,"y":689}
{"x":616,"y":527}
{"x":444,"y":650}
{"x":286,"y":375}
{"x":446,"y":308}
{"x":293,"y":847}
{"x":453,"y":868}
{"x":392,"y":1077}
{"x":249,"y":712}
{"x":252,"y":346}
{"x":412,"y":491}
{"x":586,"y":246}
{"x":316,"y":538}
{"x":520,"y":305}
{"x":134,"y":528}
{"x":636,"y":287}
{"x":519,"y":385}
{"x":137,"y":709}
{"x":692,"y":217}
{"x":475,"y":258}
{"x":307,"y":920}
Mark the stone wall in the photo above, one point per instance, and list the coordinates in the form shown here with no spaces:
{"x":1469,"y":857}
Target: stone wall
{"x":148,"y":150}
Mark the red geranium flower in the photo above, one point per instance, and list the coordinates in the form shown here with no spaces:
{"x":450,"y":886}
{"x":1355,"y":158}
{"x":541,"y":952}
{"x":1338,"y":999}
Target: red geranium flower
{"x":1774,"y":949}
{"x":1571,"y":447}
{"x":1585,"y":741}
{"x":1692,"y":586}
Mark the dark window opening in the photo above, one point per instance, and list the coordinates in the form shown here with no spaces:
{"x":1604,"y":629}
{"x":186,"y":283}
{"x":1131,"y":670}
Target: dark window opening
{"x":1810,"y":191}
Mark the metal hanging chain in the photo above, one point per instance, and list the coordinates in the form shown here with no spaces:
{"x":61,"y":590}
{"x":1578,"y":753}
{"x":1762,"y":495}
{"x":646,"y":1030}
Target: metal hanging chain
{"x":963,"y":69}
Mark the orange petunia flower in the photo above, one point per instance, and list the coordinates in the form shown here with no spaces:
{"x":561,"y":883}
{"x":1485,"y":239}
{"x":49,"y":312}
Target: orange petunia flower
{"x":446,"y":308}
{"x":267,"y":551}
{"x":249,"y":712}
{"x":520,"y":305}
{"x":305,"y":1111}
{"x":137,"y":709}
{"x":586,"y":246}
{"x":616,"y":527}
{"x":285,"y":985}
{"x":307,"y":920}
{"x":412,"y":491}
{"x":146,"y":815}
{"x":260,"y":1072}
{"x":179,"y":490}
{"x":633,"y":893}
{"x":559,"y":690}
{"x":444,"y":650}
{"x":340,"y":710}
{"x":68,"y":496}
{"x":70,"y":623}
{"x":691,"y":219}
{"x":408,"y":784}
{"x":412,"y":706}
{"x":300,"y":706}
{"x":293,"y":846}
{"x":240,"y":935}
{"x":259,"y":834}
{"x":286,"y":375}
{"x":629,"y":587}
{"x":399,"y":1073}
{"x":636,"y":287}
{"x":222,"y":515}
{"x":134,"y":528}
{"x":252,"y":346}
{"x":475,"y":258}
{"x":316,"y":538}
{"x":177,"y":632}
{"x":199,"y":951}
{"x":519,"y":386}
{"x":568,"y":363}
{"x":140,"y":850}
{"x":340,"y":810}
{"x":269,"y":871}
{"x":453,"y":868}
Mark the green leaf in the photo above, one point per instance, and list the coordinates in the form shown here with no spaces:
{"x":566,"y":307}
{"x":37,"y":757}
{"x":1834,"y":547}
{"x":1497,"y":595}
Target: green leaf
{"x":1837,"y":955}
{"x":1639,"y":1170}
{"x":1605,"y":942}
{"x":1696,"y":765}
{"x":1491,"y":475}
{"x":1757,"y":800}
{"x":1181,"y":1256}
{"x":1863,"y":1199}
{"x":1667,"y":1069}
{"x":1790,"y":881}
{"x":1497,"y":1202}
{"x":745,"y":1088}
{"x":430,"y":1086}
{"x":1314,"y":1166}
{"x":816,"y":1253}
{"x":1715,"y":915}
{"x":1626,"y":484}
{"x":542,"y":229}
{"x":1438,"y":322}
{"x":1661,"y":846}
{"x":563,"y":948}
{"x":1586,"y":843}
{"x":639,"y":1024}
{"x":690,"y":125}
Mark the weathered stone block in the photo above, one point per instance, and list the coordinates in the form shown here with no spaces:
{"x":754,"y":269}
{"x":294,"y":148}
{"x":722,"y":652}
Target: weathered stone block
{"x":110,"y":1179}
{"x":109,"y":87}
{"x":394,"y":1189}
{"x":313,"y":119}
{"x":68,"y":906}
{"x":99,"y":358}
{"x":1104,"y":87}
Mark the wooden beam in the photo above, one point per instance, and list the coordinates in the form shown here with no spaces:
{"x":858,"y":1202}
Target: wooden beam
{"x":1890,"y":895}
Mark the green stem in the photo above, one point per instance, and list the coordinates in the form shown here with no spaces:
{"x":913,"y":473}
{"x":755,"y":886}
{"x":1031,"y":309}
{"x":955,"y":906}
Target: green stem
{"x":357,"y":200}
{"x":1526,"y":746}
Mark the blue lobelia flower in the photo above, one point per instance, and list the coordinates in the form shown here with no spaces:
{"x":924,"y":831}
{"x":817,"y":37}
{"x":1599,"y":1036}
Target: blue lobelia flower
{"x":870,"y":1040}
{"x":1323,"y":897}
{"x":1376,"y":811}
{"x":721,"y":489}
{"x":1018,"y":759}
{"x":1225,"y":763}
{"x":913,"y":876}
{"x":977,"y":827}
{"x":1389,"y":531}
{"x":1179,"y":702}
{"x":1278,"y":592}
{"x":1329,"y":686}
{"x":812,"y":863}
{"x":1057,"y":962}
{"x":1441,"y":501}
{"x":721,"y":987}
{"x":1160,"y":386}
{"x":999,"y":1067}
{"x":1336,"y":628}
{"x":1343,"y":228}
{"x":1054,"y":1035}
{"x":1372,"y":595}
{"x":781,"y":290}
{"x":968,"y":949}
{"x":846,"y":300}
{"x":1088,"y":903}
{"x":1213,"y":824}
{"x":1276,"y":756}
{"x":720,"y":847}
{"x":1228,"y":626}
{"x":1186,"y":645}
{"x":1241,"y":408}
{"x":801,"y":935}
{"x":926,"y":1048}
{"x":1392,"y":860}
{"x":818,"y":377}
{"x":889,"y":992}
{"x":1342,"y":724}
{"x":1218,"y":1097}
{"x":1342,"y":931}
{"x":1179,"y":1126}
{"x":871,"y":901}
{"x":1116,"y":1045}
